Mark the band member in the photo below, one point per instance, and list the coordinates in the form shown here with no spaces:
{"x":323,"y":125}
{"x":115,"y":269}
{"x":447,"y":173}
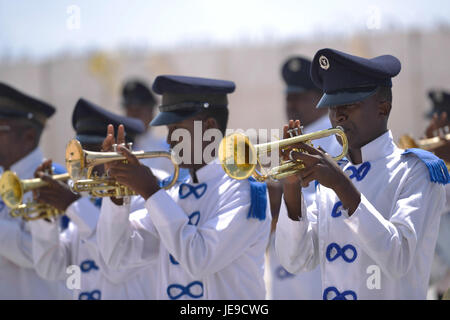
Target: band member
{"x":55,"y":252}
{"x":439,"y":125}
{"x":139,"y":102}
{"x":301,"y":98}
{"x":22,"y":121}
{"x":374,"y":223}
{"x":207,"y":236}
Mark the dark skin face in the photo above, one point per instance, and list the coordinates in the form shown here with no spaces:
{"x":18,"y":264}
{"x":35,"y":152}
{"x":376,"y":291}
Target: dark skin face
{"x":188,"y":125}
{"x":362,"y":122}
{"x":321,"y":167}
{"x":139,"y":177}
{"x":302,"y":106}
{"x":17,"y":139}
{"x":58,"y":194}
{"x":141,"y":112}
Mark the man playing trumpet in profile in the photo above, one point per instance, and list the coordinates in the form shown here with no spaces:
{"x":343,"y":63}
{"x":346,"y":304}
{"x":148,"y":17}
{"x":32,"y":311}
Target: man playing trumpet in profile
{"x":55,"y":252}
{"x":22,"y":121}
{"x":374,"y":223}
{"x":207,"y":235}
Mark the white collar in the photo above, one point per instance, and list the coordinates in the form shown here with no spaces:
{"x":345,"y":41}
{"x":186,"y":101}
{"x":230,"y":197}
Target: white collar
{"x":379,"y":148}
{"x":26,"y":166}
{"x":209,"y":172}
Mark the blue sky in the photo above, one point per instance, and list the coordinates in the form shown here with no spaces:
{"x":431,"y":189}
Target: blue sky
{"x":39,"y":29}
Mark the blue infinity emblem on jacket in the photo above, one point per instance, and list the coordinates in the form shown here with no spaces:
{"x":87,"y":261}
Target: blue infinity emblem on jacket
{"x":88,"y":265}
{"x":194,"y":218}
{"x":174,"y":288}
{"x":282,"y":273}
{"x":359,"y":173}
{"x":339,"y":295}
{"x":93,"y":295}
{"x":341,"y":252}
{"x":186,"y":190}
{"x":336,"y":212}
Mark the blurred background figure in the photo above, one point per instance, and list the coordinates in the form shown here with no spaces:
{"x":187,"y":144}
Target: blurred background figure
{"x":22,"y":121}
{"x":439,"y":125}
{"x":140,"y":103}
{"x":301,"y":98}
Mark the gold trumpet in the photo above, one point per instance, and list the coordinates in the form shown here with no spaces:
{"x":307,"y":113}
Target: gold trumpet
{"x":406,"y":142}
{"x":80,"y":163}
{"x":12,"y":190}
{"x":239,"y":157}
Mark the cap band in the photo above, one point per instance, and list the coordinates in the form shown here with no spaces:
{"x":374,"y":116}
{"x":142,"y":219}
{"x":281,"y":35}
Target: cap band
{"x":13,"y":108}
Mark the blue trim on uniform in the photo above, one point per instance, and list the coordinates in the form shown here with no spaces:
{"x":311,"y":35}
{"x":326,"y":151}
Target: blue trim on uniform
{"x":359,"y":173}
{"x":58,"y":168}
{"x":93,"y":295}
{"x":2,"y":205}
{"x":281,"y":273}
{"x":184,"y":290}
{"x":339,"y":295}
{"x":197,"y":191}
{"x":436,"y":166}
{"x":172,"y":260}
{"x":335,"y":213}
{"x":258,"y":194}
{"x":194,"y":218}
{"x":341,"y":252}
{"x":88,"y":265}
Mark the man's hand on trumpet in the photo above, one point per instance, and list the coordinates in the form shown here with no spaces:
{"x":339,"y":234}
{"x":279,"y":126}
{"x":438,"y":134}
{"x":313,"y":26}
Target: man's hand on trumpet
{"x":56,"y":193}
{"x":318,"y":166}
{"x":131,"y":173}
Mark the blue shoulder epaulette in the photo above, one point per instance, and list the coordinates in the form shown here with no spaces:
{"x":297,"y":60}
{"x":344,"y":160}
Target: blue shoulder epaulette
{"x":258,"y":205}
{"x":436,"y":166}
{"x":58,"y":168}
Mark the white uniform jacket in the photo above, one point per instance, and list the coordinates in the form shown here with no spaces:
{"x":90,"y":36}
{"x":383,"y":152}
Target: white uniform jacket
{"x":55,"y":253}
{"x":385,"y":249}
{"x":197,"y":234}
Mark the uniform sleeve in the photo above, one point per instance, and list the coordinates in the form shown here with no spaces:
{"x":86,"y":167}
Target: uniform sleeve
{"x":392,"y":243}
{"x":296,"y":242}
{"x":51,"y":250}
{"x":215,"y":243}
{"x":84,"y":214}
{"x":124,"y":241}
{"x":15,"y":242}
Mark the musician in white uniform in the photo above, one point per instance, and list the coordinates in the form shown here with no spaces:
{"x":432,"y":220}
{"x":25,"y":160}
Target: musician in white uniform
{"x":301,"y":97}
{"x":374,"y":223}
{"x":22,"y":120}
{"x":55,"y":252}
{"x":207,"y":236}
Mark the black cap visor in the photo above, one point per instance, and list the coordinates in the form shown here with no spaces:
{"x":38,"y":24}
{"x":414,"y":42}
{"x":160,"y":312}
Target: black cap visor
{"x":342,"y":98}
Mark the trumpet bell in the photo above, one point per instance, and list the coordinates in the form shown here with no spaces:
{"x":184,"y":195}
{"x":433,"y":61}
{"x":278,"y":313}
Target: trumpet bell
{"x":237,"y":156}
{"x":240,"y":158}
{"x":75,"y":163}
{"x":11,"y":189}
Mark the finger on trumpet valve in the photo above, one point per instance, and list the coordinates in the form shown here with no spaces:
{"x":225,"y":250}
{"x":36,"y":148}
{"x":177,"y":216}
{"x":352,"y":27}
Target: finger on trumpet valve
{"x":114,"y":147}
{"x":130,"y":146}
{"x":290,"y":132}
{"x":296,"y":131}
